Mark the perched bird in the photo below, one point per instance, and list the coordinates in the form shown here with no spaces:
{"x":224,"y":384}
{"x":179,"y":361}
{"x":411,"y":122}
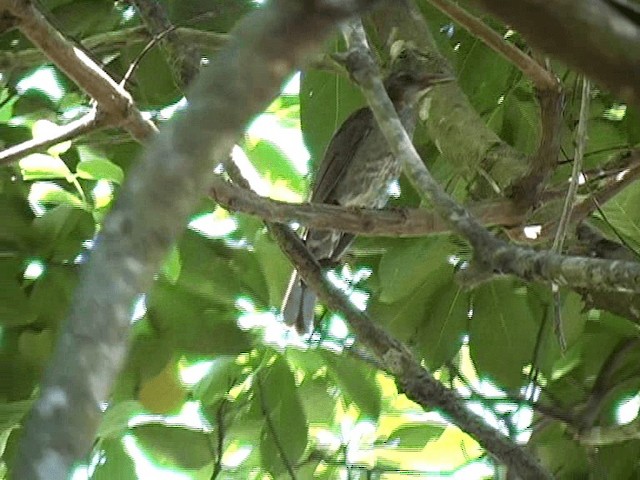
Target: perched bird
{"x":357,"y":170}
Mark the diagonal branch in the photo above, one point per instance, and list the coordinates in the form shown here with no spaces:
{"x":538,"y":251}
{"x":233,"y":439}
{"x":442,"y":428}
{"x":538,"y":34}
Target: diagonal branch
{"x":590,"y":36}
{"x":543,"y":162}
{"x":114,"y":101}
{"x":413,"y":380}
{"x":541,"y":78}
{"x":491,"y":254}
{"x":151,"y":211}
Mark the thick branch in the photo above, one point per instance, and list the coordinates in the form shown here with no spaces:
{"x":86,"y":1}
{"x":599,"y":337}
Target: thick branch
{"x":371,"y":222}
{"x":151,"y":211}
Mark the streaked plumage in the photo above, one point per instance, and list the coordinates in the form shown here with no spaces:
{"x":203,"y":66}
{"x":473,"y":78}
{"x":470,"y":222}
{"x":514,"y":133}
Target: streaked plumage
{"x":356,"y":171}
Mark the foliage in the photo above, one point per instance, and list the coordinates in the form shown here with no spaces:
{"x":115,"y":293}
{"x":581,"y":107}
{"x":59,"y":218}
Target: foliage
{"x":213,"y":382}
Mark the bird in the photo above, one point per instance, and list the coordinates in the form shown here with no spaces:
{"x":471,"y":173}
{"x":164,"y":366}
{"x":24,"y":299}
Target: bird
{"x":358,"y":168}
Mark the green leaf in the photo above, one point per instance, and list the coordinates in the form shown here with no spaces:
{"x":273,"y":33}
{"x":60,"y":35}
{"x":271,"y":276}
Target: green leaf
{"x":617,"y":461}
{"x":213,"y":271}
{"x":36,"y":346}
{"x":271,"y":162}
{"x":502,"y":332}
{"x":415,"y":436}
{"x":285,"y":431}
{"x":179,"y":446}
{"x":219,"y":379}
{"x":560,"y":453}
{"x":440,"y":334}
{"x":228,"y":12}
{"x":275,"y":267}
{"x":520,"y":127}
{"x":172,"y":265}
{"x":56,"y":195}
{"x":114,"y":462}
{"x":11,"y":134}
{"x":402,"y":318}
{"x":150,"y":353}
{"x":33,"y":101}
{"x":326,"y":100}
{"x":62,"y":231}
{"x":52,"y":292}
{"x":115,"y":421}
{"x":15,"y":309}
{"x":473,"y":57}
{"x":318,"y":402}
{"x":154,"y":87}
{"x":409,"y":264}
{"x":192,"y":326}
{"x":357,"y":382}
{"x":16,"y":216}
{"x":12,"y":413}
{"x":39,"y":166}
{"x":100,"y":169}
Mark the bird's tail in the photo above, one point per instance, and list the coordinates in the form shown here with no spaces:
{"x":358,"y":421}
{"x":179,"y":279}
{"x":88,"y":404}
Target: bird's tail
{"x":298,"y":305}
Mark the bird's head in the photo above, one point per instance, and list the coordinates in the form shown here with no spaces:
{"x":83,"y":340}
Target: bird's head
{"x":413,"y":73}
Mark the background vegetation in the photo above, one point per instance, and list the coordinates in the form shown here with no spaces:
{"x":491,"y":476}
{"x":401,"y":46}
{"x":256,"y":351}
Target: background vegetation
{"x":214,"y":386}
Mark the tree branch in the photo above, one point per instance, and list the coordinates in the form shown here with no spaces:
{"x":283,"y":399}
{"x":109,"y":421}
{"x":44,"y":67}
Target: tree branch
{"x":365,"y":221}
{"x":113,"y":100}
{"x":183,"y":57}
{"x":541,"y":78}
{"x":543,"y":162}
{"x":452,"y":123}
{"x":590,"y":36}
{"x":567,"y":207}
{"x":491,"y":255}
{"x":413,"y":380}
{"x":90,"y":122}
{"x":151,"y":211}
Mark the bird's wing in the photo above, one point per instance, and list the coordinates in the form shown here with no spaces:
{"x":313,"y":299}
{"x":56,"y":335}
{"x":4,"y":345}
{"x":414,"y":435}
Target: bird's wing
{"x":342,"y":148}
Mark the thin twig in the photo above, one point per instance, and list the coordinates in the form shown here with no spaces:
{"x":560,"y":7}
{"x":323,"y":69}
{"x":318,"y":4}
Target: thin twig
{"x":561,"y":232}
{"x":90,"y":122}
{"x":183,"y":57}
{"x":581,"y":143}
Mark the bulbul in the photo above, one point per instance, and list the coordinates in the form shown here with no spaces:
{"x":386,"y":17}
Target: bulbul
{"x":357,"y":170}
